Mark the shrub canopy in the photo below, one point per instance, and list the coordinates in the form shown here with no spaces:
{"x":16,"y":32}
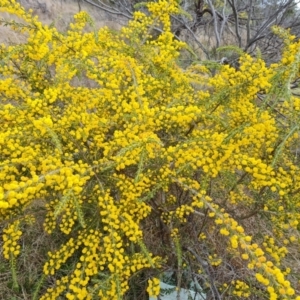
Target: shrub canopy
{"x":140,"y":166}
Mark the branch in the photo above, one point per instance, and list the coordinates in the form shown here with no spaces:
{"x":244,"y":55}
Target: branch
{"x":208,"y":271}
{"x":216,"y":29}
{"x":224,"y":19}
{"x":236,"y":19}
{"x":108,"y":9}
{"x":193,"y":34}
{"x":249,"y":22}
{"x":266,"y":25}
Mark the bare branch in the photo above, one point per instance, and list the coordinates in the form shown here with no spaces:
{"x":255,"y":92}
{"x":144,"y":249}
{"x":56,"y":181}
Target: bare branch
{"x":109,"y":9}
{"x":249,"y":21}
{"x":216,"y":29}
{"x":236,"y":18}
{"x":194,"y":36}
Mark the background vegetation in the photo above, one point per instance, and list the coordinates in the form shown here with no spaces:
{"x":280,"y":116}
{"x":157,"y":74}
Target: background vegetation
{"x":210,"y":24}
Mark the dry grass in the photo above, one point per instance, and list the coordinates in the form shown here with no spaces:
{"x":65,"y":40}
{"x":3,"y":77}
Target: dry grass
{"x":59,"y":12}
{"x":35,"y":245}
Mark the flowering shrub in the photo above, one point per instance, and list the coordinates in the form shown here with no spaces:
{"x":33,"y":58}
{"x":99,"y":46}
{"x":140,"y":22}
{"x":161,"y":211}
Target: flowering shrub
{"x":138,"y":171}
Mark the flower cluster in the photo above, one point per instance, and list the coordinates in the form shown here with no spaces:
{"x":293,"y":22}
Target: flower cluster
{"x":11,"y":236}
{"x":153,"y":287}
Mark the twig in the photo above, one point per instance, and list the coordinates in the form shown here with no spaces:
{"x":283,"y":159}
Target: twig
{"x":205,"y":265}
